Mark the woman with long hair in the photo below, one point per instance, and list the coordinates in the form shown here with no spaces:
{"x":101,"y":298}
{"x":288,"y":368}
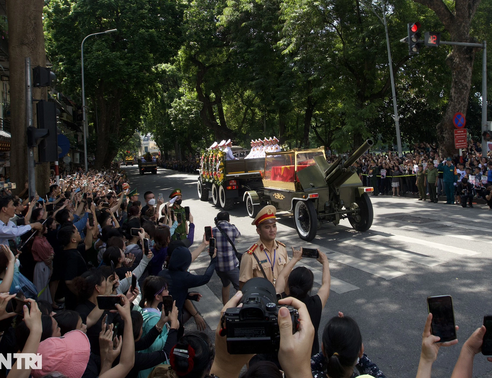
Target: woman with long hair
{"x":298,"y":283}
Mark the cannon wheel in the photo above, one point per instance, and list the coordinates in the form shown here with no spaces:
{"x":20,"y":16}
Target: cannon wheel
{"x":202,"y":191}
{"x":306,"y":220}
{"x":251,"y":208}
{"x":215,"y":194}
{"x":363,"y":220}
{"x":225,"y":203}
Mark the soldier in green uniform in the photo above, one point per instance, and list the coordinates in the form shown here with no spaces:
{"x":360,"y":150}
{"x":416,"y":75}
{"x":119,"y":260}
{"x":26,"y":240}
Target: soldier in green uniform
{"x":421,"y":182}
{"x":432,"y":177}
{"x":182,"y":230}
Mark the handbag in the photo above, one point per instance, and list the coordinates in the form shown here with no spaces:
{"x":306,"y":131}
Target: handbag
{"x":21,"y":284}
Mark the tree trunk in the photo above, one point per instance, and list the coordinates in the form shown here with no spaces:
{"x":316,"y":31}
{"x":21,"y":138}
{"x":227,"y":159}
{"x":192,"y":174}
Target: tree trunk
{"x":26,"y":39}
{"x":460,"y":61}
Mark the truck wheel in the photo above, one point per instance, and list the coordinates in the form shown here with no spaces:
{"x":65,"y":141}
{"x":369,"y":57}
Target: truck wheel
{"x":251,"y":208}
{"x":306,"y":220}
{"x":202,"y":191}
{"x":362,"y":221}
{"x":215,"y":194}
{"x":224,"y":202}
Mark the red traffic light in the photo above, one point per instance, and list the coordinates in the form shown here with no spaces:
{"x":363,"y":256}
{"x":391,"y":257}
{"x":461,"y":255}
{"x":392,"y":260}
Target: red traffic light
{"x":415,"y":27}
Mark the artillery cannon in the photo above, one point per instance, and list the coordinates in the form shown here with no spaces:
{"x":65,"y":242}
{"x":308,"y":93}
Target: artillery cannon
{"x":339,"y":195}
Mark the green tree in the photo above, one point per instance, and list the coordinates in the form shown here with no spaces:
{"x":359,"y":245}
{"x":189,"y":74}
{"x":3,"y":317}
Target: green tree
{"x":456,"y":17}
{"x":119,"y":74}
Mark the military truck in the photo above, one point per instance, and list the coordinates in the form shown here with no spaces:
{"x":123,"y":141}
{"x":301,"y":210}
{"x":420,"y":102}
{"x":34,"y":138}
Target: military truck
{"x":147,"y":166}
{"x":298,"y":181}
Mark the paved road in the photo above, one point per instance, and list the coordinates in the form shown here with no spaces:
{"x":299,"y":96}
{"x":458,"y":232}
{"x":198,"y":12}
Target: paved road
{"x":382,"y":277}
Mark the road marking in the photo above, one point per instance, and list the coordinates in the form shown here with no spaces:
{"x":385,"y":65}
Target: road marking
{"x":365,"y":266}
{"x":336,"y":285}
{"x":426,"y":243}
{"x":415,"y":257}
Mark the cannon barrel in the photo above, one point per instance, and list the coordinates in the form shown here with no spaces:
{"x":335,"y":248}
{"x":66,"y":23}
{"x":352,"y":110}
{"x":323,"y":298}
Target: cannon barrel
{"x":338,"y":173}
{"x":333,"y":166}
{"x":358,"y":153}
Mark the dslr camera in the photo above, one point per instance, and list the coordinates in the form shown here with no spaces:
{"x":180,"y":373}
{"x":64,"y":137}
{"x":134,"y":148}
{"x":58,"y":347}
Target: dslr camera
{"x":253,"y":328}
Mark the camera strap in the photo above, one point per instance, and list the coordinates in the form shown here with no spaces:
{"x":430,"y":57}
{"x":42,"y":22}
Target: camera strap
{"x":259,"y":264}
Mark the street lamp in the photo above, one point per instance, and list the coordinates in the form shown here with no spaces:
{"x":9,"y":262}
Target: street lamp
{"x":84,"y":116}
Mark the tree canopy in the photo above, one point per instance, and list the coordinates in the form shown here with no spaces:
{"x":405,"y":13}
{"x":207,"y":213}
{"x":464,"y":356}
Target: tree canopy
{"x":310,"y":72}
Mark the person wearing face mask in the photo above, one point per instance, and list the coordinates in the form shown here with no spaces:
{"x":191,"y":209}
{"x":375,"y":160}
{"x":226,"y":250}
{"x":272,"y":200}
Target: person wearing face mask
{"x":149,"y":198}
{"x":175,"y":205}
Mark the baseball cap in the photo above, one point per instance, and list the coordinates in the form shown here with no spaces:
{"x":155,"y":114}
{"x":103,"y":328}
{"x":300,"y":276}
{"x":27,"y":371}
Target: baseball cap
{"x":67,"y":355}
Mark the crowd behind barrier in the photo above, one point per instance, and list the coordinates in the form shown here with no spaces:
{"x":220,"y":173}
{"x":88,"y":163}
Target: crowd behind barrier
{"x":92,"y":262}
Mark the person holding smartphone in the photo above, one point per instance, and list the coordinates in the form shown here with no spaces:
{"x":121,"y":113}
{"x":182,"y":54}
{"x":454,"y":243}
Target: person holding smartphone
{"x":298,"y":283}
{"x":227,"y":268}
{"x":181,"y":231}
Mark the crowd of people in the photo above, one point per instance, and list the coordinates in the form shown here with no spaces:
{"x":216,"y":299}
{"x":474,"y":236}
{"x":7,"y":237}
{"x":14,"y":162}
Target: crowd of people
{"x":90,"y":240}
{"x":425,"y":173}
{"x":98,"y":282}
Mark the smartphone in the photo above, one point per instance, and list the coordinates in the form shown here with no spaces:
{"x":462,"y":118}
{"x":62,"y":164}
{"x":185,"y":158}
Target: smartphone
{"x":211,"y":246}
{"x":194,"y":297}
{"x":13,"y":246}
{"x":108,"y":302}
{"x":18,"y":302}
{"x":441,"y":308}
{"x":187,"y":213}
{"x":134,"y":281}
{"x":487,"y":338}
{"x":208,"y":233}
{"x":179,"y":217}
{"x":91,"y":220}
{"x":167,"y":304}
{"x":134,"y":231}
{"x":310,"y":252}
{"x":146,"y":246}
{"x":172,"y":216}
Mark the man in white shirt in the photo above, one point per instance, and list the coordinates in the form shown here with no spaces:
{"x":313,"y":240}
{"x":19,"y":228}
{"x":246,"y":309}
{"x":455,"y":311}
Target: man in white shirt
{"x":228,"y":150}
{"x":8,"y":230}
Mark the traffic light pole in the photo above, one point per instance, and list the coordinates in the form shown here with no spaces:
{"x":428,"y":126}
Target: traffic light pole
{"x":483,"y":46}
{"x":31,"y":176}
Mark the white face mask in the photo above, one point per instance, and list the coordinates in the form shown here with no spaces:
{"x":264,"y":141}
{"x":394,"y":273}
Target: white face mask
{"x":152,"y":202}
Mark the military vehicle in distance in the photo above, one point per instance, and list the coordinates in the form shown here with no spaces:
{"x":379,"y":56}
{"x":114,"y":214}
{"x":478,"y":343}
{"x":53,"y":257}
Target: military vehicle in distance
{"x":298,"y":181}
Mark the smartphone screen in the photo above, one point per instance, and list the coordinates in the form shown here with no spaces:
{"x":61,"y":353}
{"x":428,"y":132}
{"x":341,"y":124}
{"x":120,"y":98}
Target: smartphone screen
{"x":91,"y":220}
{"x":208,"y":233}
{"x":441,"y":308}
{"x":146,"y":246}
{"x":167,"y":304}
{"x":134,"y":231}
{"x":107,"y":302}
{"x":134,"y":281}
{"x":187,"y":213}
{"x":310,"y":252}
{"x":487,"y":338}
{"x":211,"y":246}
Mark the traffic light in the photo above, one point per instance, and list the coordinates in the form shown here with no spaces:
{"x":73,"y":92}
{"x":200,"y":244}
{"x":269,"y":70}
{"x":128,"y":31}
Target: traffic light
{"x":41,"y":76}
{"x":413,"y":38}
{"x":48,"y":147}
{"x":34,"y":136}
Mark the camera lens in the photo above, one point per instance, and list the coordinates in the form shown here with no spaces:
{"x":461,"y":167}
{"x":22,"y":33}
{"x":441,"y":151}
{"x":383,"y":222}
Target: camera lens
{"x":258,"y":293}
